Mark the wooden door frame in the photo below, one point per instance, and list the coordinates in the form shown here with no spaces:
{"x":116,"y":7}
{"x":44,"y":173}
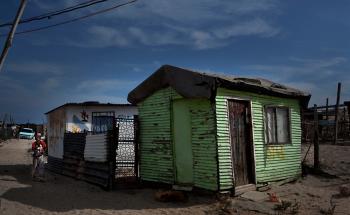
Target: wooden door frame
{"x":251,"y":138}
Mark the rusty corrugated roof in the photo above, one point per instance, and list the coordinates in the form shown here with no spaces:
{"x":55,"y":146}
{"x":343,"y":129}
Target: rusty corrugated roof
{"x":194,"y":84}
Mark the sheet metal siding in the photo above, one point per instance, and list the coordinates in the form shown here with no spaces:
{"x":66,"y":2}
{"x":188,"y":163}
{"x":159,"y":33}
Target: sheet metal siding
{"x":75,"y":166}
{"x":96,"y":148}
{"x":156,"y":146}
{"x":272,"y":162}
{"x":74,"y":144}
{"x":54,"y":164}
{"x":203,"y":144}
{"x":55,"y":132}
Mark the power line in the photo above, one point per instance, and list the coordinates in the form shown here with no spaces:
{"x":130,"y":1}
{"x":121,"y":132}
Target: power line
{"x":57,"y":12}
{"x":64,"y":10}
{"x":74,"y":20}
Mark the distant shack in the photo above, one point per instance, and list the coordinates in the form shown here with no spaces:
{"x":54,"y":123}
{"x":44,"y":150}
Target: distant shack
{"x":216,"y":132}
{"x":86,"y":117}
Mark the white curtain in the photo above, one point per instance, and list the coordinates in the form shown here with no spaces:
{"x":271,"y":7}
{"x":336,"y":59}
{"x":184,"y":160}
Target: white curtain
{"x":282,"y":125}
{"x":271,"y":126}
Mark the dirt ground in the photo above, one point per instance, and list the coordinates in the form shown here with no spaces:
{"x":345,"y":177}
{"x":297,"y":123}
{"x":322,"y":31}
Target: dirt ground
{"x":63,"y":195}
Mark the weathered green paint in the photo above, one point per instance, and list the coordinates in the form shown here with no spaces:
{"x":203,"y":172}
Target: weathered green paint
{"x":204,"y":144}
{"x":272,"y":162}
{"x":156,"y":147}
{"x":182,"y":142}
{"x":209,"y":133}
{"x":156,"y":139}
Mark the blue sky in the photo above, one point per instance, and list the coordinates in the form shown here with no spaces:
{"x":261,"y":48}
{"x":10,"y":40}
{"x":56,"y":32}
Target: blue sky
{"x":303,"y":44}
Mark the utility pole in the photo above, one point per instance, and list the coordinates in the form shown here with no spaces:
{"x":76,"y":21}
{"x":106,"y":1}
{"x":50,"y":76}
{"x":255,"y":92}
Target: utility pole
{"x":336,"y":115}
{"x":316,"y":143}
{"x":9,"y":38}
{"x":327,"y":110}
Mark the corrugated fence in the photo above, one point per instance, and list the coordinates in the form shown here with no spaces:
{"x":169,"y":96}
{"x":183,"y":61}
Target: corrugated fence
{"x":96,"y":148}
{"x":96,"y":168}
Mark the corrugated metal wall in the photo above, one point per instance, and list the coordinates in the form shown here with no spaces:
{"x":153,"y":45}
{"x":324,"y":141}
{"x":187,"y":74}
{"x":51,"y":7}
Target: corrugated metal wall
{"x":74,"y":165}
{"x":204,"y":144}
{"x":55,"y":132}
{"x":156,"y":146}
{"x":272,"y":162}
{"x":54,"y":164}
{"x":96,"y":148}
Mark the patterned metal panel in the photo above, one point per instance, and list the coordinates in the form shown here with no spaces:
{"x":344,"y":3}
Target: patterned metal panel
{"x":126,"y":164}
{"x":272,"y":162}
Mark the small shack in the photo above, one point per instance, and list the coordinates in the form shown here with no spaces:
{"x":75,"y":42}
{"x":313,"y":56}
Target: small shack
{"x":82,"y":118}
{"x":217,"y":132}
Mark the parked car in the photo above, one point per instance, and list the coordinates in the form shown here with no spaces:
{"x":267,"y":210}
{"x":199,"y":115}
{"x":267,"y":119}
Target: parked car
{"x":26,"y":133}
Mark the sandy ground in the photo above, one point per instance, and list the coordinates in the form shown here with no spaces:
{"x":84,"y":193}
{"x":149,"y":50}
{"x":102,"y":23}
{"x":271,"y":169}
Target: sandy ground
{"x":63,"y":195}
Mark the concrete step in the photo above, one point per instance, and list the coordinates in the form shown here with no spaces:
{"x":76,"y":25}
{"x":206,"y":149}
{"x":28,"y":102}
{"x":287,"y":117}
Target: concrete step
{"x":244,"y":188}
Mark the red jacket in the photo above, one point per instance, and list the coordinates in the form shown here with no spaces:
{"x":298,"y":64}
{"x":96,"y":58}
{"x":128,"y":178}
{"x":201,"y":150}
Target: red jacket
{"x":42,"y":143}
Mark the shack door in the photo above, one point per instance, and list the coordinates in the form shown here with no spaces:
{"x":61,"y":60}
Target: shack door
{"x":241,"y":144}
{"x":182,"y":142}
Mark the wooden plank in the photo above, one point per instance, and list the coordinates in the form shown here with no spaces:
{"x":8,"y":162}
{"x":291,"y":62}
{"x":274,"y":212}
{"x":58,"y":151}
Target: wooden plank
{"x":336,"y":115}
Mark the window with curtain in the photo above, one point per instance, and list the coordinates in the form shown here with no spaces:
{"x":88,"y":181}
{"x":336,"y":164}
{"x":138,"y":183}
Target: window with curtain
{"x":277,"y":125}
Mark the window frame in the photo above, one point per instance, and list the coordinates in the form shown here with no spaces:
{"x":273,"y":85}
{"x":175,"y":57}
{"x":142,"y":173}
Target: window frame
{"x":289,"y":124}
{"x":100,"y":114}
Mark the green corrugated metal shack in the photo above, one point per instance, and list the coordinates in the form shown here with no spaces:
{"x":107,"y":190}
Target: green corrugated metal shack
{"x":217,"y":132}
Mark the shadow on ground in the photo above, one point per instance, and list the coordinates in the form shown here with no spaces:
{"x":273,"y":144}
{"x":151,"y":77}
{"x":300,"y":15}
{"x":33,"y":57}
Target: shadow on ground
{"x":60,"y":193}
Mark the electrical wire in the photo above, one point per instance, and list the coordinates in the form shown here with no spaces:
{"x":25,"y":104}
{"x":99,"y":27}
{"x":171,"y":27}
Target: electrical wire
{"x":51,"y":14}
{"x":73,"y":20}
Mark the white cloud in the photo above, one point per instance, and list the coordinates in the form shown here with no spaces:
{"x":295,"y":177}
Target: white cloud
{"x":204,"y":40}
{"x":102,"y":85}
{"x":14,"y":94}
{"x":179,"y":11}
{"x":249,"y":6}
{"x":154,"y":38}
{"x":10,"y":85}
{"x":45,"y":5}
{"x":50,"y":83}
{"x":306,"y":68}
{"x":195,"y":12}
{"x":320,"y":63}
{"x":98,"y":97}
{"x":103,"y":36}
{"x":317,"y":76}
{"x":35,"y":67}
{"x":108,"y":36}
{"x":251,"y":27}
{"x":201,"y":24}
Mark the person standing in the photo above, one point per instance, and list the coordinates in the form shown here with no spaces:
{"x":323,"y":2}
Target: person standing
{"x":38,"y":148}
